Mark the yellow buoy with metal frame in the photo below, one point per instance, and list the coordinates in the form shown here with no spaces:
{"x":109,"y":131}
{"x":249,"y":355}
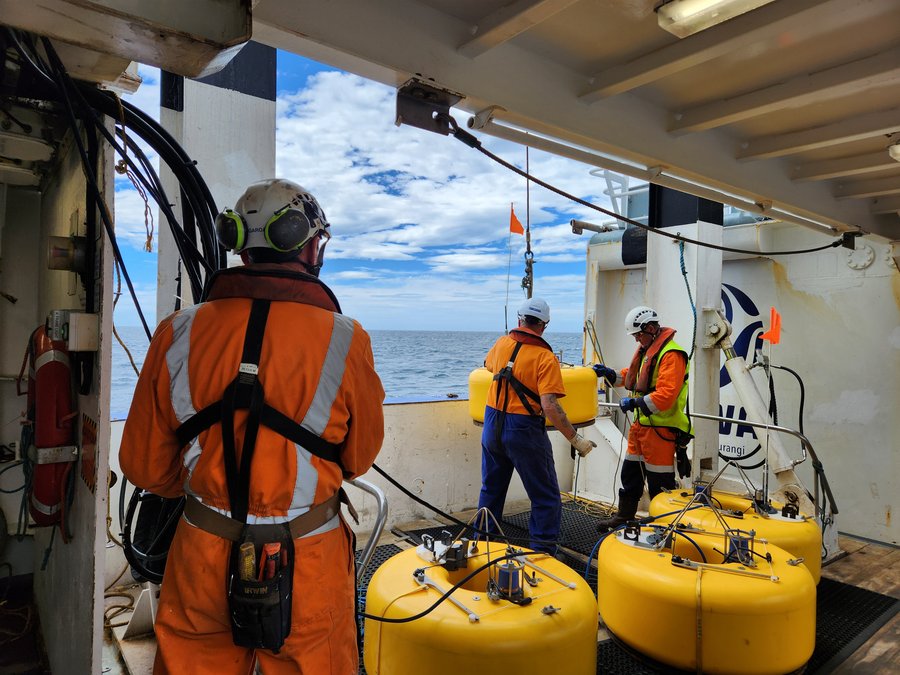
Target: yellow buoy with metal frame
{"x":580,"y":401}
{"x":795,"y":532}
{"x":528,"y":614}
{"x":711,"y":603}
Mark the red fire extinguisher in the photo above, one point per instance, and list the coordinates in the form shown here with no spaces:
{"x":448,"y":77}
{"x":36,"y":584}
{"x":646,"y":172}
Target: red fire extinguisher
{"x":51,"y":417}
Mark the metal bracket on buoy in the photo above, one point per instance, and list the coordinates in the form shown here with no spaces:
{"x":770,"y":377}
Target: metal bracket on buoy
{"x":423,"y":580}
{"x":568,"y":584}
{"x":689,"y":564}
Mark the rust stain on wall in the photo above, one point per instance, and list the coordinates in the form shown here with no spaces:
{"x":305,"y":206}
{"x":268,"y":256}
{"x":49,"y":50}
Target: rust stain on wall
{"x":809,"y":301}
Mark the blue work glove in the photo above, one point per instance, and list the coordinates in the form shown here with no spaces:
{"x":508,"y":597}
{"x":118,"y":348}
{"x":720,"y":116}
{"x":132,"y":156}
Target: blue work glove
{"x":629,"y":404}
{"x":608,"y":374}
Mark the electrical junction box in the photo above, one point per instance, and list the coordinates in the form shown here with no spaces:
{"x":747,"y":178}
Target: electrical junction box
{"x":84,"y":332}
{"x":79,"y":330}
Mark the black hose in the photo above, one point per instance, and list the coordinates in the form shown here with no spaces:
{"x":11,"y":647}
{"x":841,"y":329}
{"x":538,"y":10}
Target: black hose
{"x":473,"y":142}
{"x":802,"y":394}
{"x":56,"y":64}
{"x":453,"y":519}
{"x":446,"y":595}
{"x":197,"y":197}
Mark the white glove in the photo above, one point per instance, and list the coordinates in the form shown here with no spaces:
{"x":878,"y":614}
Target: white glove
{"x":582,"y":445}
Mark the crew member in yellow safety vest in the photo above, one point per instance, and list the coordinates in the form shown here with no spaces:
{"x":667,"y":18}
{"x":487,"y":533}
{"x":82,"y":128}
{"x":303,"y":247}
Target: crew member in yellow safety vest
{"x":256,"y":404}
{"x":657,"y":380}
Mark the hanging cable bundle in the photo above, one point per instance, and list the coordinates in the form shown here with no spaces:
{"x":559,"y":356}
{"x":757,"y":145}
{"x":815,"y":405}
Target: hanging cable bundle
{"x":85,"y":106}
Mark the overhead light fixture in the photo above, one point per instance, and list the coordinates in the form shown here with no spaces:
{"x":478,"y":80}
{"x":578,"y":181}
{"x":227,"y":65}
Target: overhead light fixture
{"x":894,"y":151}
{"x":686,"y":17}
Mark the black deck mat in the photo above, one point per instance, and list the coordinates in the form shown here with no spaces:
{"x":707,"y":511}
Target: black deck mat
{"x":578,"y":530}
{"x":379,"y":555}
{"x":846,"y":616}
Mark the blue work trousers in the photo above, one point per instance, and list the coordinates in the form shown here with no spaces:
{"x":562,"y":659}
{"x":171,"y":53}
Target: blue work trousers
{"x":524,"y":446}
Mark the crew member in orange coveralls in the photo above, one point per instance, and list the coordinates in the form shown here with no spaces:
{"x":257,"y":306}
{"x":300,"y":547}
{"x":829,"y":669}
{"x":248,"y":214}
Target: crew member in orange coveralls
{"x":657,"y":380}
{"x":268,"y":344}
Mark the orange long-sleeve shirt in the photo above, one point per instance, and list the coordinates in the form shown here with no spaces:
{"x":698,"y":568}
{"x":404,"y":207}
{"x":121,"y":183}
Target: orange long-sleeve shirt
{"x":193,"y":357}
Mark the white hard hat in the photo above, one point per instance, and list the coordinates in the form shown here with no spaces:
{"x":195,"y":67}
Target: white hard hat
{"x":637,"y":317}
{"x":537,"y":308}
{"x":274,"y":213}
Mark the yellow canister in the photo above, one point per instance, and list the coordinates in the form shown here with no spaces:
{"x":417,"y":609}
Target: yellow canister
{"x":707,"y":615}
{"x":799,"y":536}
{"x":580,"y":401}
{"x":553,"y":628}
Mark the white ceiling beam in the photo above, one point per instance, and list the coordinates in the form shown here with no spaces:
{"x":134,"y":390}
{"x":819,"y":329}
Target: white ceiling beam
{"x":726,"y":38}
{"x":844,"y":80}
{"x":509,"y":21}
{"x":858,"y":128}
{"x":393,"y":40}
{"x":193,"y":39}
{"x":868,"y":188}
{"x":886,"y":205}
{"x":845,"y":166}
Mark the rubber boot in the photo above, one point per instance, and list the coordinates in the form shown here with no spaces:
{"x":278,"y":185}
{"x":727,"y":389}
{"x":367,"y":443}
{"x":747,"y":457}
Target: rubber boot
{"x":627,"y":510}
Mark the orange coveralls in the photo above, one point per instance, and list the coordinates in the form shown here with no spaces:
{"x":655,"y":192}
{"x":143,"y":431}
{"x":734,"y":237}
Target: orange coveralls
{"x":194,"y":355}
{"x":657,"y":446}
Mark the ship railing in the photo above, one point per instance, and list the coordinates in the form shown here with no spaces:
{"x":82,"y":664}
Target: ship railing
{"x":380,"y":520}
{"x":820,"y":481}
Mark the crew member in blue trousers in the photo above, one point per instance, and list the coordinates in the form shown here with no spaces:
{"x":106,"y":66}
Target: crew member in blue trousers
{"x":525,"y":391}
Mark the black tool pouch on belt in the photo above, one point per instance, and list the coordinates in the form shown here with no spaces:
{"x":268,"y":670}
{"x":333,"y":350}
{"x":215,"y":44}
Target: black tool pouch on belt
{"x":259,"y":594}
{"x":260,"y":610}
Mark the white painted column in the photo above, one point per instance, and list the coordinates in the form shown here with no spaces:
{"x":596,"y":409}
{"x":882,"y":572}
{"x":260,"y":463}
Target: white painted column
{"x":226,"y":124}
{"x":667,"y":294}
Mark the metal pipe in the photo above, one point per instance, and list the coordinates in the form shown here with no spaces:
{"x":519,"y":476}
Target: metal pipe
{"x":805,"y":444}
{"x":653,"y":174}
{"x":804,"y":441}
{"x":380,"y":520}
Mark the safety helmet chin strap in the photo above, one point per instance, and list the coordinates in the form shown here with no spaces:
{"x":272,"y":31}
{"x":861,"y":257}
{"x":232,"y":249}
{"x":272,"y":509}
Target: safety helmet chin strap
{"x":648,"y":332}
{"x":315,"y":269}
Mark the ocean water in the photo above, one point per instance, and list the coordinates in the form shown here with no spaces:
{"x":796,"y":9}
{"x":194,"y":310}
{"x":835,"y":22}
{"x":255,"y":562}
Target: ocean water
{"x":413,"y":365}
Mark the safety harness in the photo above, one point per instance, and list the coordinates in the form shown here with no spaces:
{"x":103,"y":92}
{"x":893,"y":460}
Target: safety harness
{"x":639,"y":373}
{"x":638,"y":379}
{"x":506,"y":380}
{"x":259,"y":604}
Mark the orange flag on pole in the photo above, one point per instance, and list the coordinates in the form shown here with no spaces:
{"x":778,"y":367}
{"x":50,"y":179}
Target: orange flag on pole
{"x":514,"y":224}
{"x":773,"y":335}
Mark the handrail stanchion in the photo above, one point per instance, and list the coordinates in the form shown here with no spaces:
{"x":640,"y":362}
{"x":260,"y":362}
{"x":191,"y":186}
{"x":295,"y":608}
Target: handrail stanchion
{"x":380,"y":520}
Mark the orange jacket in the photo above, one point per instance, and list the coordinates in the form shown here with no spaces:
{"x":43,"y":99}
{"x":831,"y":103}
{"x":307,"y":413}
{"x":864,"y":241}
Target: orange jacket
{"x":535,"y":367}
{"x":196,"y":352}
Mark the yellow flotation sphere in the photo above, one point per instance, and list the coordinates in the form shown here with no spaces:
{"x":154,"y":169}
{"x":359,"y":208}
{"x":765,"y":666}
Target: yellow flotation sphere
{"x":712,"y":617}
{"x":580,"y":401}
{"x":552,"y":628}
{"x":800,"y":536}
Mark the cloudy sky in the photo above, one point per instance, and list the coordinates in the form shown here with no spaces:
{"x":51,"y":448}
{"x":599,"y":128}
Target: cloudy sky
{"x":420,"y":221}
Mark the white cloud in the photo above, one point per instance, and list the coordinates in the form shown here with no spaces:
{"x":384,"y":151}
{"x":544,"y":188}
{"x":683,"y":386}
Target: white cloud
{"x":398,"y":196}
